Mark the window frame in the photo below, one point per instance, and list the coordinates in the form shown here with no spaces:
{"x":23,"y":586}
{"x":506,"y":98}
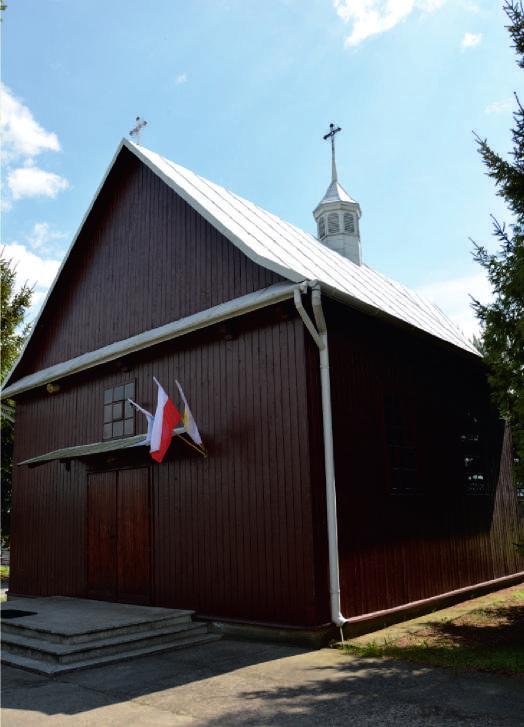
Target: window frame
{"x":119,"y":420}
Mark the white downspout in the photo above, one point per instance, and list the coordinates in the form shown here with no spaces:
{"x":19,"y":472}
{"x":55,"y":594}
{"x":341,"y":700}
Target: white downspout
{"x":319,"y":335}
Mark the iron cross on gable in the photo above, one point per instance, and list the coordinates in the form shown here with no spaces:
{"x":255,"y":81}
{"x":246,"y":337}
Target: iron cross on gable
{"x":331,"y":135}
{"x":140,"y":123}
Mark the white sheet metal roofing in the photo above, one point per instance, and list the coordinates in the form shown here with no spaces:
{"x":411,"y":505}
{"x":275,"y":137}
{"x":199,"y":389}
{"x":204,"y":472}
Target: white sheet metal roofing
{"x":336,"y":193}
{"x":287,"y":250}
{"x":297,"y":255}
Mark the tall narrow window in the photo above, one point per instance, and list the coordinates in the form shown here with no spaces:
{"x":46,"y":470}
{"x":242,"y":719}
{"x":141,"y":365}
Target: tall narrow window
{"x":333,"y":223}
{"x":400,"y":440}
{"x":349,"y":223}
{"x":471,"y":452}
{"x":119,"y":415}
{"x":322,"y":227}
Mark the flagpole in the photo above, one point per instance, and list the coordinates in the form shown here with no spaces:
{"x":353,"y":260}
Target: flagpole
{"x":201,"y":450}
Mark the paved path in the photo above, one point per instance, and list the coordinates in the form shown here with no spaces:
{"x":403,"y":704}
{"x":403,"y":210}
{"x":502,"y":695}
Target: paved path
{"x":241,"y":683}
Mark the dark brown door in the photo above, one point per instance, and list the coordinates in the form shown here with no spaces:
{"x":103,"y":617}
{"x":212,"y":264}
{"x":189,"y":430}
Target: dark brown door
{"x":101,"y":536}
{"x":118,"y":531}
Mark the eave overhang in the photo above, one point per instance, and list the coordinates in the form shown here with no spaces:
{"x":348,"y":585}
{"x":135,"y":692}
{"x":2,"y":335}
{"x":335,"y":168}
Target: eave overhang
{"x":181,"y":327}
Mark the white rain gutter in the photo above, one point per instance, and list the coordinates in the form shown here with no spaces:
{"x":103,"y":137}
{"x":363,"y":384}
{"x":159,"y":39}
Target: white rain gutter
{"x":319,"y":335}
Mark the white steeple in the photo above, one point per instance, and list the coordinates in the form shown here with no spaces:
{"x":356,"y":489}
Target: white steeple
{"x":337,"y":215}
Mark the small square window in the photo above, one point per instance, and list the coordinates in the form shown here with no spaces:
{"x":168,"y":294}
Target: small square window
{"x":108,"y":413}
{"x":118,"y":428}
{"x":128,"y":410}
{"x":129,"y":390}
{"x":118,"y":411}
{"x":129,"y":426}
{"x":108,"y":431}
{"x":118,"y":393}
{"x":108,"y":396}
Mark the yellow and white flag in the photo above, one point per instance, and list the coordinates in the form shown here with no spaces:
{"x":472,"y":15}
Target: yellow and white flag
{"x":189,"y":423}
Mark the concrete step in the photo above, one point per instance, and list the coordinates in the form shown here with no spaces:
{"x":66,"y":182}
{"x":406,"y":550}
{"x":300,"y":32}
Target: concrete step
{"x":63,"y":653}
{"x":44,"y":667}
{"x":45,"y":634}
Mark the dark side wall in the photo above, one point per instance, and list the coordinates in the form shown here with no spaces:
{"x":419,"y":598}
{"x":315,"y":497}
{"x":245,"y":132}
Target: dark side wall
{"x":232,"y":534}
{"x":400,"y":547}
{"x":143,"y":258}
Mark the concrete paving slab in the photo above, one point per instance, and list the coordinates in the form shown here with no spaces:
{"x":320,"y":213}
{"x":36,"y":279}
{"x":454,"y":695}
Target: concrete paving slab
{"x":243,"y":683}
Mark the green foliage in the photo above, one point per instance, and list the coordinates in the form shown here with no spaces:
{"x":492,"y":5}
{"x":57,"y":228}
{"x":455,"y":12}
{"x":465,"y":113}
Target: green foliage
{"x":14,"y":305}
{"x":503,"y":319}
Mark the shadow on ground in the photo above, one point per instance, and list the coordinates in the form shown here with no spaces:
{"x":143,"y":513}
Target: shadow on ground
{"x":504,"y":626}
{"x":232,"y":682}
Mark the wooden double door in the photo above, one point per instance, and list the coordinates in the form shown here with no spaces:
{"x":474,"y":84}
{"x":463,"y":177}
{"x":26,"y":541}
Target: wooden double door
{"x":119,"y":536}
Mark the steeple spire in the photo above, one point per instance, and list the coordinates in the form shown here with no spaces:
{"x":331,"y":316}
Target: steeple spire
{"x":331,"y":135}
{"x":337,"y":215}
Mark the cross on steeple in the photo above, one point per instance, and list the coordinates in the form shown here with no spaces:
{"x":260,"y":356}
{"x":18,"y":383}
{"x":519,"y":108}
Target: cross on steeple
{"x":331,"y":135}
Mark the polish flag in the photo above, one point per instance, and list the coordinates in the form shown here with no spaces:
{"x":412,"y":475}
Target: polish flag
{"x":166,"y":418}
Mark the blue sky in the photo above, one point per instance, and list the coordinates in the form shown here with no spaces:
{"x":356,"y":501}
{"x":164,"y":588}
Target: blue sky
{"x":242,"y":92}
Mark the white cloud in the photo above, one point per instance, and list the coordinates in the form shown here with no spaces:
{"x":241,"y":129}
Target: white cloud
{"x":32,"y":269}
{"x":453,"y":297}
{"x":22,"y":135}
{"x":32,"y":181}
{"x":23,"y":139}
{"x":41,"y":236}
{"x":499,"y":107}
{"x":181,"y":78}
{"x":470,"y":6}
{"x":470,"y":40}
{"x":369,"y":17}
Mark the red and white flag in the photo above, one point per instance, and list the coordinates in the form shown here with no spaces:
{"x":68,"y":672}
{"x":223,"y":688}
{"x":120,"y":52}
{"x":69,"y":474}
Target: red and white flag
{"x":166,"y":418}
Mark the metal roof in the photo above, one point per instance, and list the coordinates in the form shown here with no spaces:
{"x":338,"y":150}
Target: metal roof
{"x":284,"y":248}
{"x":297,"y":255}
{"x":336,"y":193}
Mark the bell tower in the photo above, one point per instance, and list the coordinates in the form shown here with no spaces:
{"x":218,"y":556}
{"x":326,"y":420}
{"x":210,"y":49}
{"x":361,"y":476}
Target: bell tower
{"x":337,"y":215}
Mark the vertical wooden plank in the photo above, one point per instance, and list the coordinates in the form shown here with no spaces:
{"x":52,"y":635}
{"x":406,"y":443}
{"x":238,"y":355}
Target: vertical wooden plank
{"x":133,"y":536}
{"x":102,"y":536}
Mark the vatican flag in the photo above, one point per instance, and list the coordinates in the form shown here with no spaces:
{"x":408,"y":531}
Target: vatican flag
{"x":189,"y":423}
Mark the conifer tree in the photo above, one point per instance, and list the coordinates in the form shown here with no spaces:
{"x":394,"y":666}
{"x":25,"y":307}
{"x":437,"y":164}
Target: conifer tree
{"x":503,"y":319}
{"x":14,"y":305}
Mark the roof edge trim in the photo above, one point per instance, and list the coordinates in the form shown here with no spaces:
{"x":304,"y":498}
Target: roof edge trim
{"x":65,"y":259}
{"x":135,"y":149}
{"x":230,"y":309}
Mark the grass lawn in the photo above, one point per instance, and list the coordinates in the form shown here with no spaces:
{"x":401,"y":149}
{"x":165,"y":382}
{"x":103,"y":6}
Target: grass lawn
{"x":484,"y":634}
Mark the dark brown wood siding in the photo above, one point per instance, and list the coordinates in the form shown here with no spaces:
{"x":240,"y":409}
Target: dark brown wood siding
{"x":397,"y":548}
{"x":143,"y":258}
{"x":232,"y":534}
